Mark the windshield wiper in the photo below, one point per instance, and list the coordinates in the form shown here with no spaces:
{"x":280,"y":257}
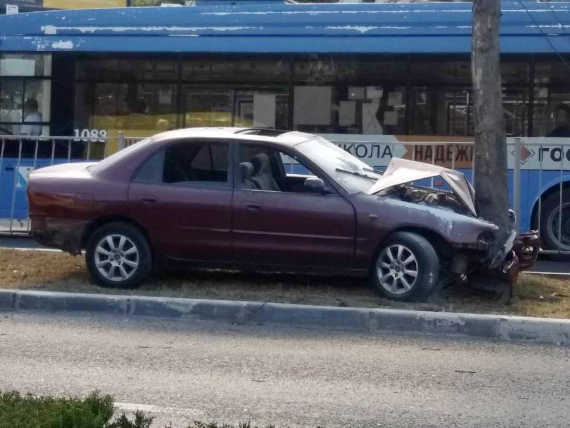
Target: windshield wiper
{"x":359,"y":174}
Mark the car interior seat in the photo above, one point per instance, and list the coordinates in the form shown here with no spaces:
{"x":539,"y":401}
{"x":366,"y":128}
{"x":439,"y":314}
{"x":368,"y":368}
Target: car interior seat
{"x":263,"y":175}
{"x":246,"y":172}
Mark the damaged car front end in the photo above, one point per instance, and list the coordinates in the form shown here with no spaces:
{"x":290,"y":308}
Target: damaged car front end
{"x":481,"y":262}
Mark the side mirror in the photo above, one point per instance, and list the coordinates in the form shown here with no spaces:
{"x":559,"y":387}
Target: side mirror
{"x":315,"y":185}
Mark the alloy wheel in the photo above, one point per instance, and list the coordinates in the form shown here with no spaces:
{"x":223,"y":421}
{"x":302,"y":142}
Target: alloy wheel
{"x":117,"y":257}
{"x":397,"y":269}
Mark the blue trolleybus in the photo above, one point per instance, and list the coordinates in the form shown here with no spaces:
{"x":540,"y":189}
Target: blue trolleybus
{"x":379,"y":79}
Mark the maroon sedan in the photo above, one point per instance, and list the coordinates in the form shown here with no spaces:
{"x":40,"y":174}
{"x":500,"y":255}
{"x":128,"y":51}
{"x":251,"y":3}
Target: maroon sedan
{"x":268,"y":200}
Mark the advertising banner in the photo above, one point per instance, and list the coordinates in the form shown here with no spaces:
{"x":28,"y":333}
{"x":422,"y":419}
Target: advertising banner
{"x":537,"y":153}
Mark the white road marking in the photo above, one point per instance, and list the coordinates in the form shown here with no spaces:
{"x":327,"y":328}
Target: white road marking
{"x":149,"y":408}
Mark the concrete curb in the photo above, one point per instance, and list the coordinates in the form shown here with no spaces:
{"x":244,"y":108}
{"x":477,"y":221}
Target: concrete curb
{"x":505,"y":328}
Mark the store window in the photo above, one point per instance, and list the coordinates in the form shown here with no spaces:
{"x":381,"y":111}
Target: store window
{"x":140,"y":97}
{"x":247,"y":92}
{"x":350,"y":109}
{"x":435,"y":72}
{"x":316,"y":93}
{"x":207,"y":107}
{"x":136,"y":109}
{"x":25,"y":94}
{"x":228,"y":107}
{"x":448,"y":111}
{"x":241,"y":70}
{"x":515,"y":107}
{"x":551,"y":108}
{"x":20,"y":65}
{"x":458,"y":112}
{"x":515,"y":72}
{"x":352,"y":95}
{"x":441,"y":100}
{"x":262,"y":109}
{"x":126,"y":69}
{"x":551,"y":112}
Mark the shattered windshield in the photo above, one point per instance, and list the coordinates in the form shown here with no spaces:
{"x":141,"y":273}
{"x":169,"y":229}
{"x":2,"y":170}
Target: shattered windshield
{"x":351,"y":173}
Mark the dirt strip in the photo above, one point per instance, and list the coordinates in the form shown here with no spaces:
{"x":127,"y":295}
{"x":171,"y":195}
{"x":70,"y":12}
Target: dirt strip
{"x":534,"y":295}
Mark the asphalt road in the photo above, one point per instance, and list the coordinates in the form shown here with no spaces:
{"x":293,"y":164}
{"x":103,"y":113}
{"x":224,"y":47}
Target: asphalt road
{"x":185,"y":371}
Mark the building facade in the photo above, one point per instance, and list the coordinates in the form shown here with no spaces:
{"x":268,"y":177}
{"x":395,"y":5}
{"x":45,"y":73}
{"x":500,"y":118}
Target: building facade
{"x":378,"y":75}
{"x":337,"y":68}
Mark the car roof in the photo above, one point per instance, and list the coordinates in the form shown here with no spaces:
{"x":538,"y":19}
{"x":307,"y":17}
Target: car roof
{"x":289,"y":138}
{"x":118,"y":165}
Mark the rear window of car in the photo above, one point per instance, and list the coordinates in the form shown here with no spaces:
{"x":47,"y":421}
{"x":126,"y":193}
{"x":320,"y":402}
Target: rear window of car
{"x":151,"y":169}
{"x":118,"y":156}
{"x":186,"y":162}
{"x":192,"y":162}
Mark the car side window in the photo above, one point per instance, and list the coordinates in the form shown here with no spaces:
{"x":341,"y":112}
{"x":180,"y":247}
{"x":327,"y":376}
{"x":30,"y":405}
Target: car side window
{"x":196,"y":162}
{"x":151,"y":170}
{"x":264,"y":168}
{"x":293,"y":166}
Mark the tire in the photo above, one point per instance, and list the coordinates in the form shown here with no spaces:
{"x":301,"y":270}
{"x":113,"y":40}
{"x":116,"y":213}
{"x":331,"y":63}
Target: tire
{"x":118,"y":256}
{"x":549,"y":219}
{"x":401,"y":255}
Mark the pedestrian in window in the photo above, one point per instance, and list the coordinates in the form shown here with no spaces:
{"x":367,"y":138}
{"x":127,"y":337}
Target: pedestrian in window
{"x":32,"y":117}
{"x":563,"y":122}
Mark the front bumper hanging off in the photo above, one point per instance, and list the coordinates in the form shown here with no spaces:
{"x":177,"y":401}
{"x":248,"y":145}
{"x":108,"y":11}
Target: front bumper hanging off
{"x":520,"y":253}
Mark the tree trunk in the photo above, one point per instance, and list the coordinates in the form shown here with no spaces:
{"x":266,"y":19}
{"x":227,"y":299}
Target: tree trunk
{"x":490,"y":149}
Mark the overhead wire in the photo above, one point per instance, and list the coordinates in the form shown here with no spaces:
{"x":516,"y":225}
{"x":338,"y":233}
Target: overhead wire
{"x":546,"y":36}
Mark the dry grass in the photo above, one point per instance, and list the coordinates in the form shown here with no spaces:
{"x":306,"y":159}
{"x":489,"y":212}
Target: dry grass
{"x":534,"y":295}
{"x":542,"y":296}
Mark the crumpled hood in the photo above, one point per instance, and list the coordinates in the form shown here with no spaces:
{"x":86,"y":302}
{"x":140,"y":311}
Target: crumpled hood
{"x":402,"y":171}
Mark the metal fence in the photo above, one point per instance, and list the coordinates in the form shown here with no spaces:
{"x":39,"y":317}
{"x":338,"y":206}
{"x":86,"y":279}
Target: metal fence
{"x":537,"y":171}
{"x":21,"y":154}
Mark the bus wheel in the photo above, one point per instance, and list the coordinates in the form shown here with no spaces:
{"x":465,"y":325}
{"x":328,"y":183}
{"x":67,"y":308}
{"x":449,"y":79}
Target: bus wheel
{"x":554,"y":228}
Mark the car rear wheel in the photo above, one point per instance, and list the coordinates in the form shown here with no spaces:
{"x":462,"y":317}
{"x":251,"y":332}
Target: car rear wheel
{"x":118,"y":255}
{"x":406,"y":268}
{"x":555,"y":232}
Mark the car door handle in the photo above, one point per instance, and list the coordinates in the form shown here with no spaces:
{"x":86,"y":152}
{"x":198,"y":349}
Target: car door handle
{"x":253,"y":207}
{"x":148,"y":200}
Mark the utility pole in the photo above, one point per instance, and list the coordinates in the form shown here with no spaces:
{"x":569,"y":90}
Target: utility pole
{"x":490,"y":149}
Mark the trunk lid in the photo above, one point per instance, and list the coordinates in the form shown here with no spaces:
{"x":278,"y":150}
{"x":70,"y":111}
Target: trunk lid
{"x":64,"y":170}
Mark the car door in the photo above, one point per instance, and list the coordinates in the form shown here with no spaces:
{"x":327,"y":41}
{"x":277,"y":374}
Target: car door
{"x":182,"y":196}
{"x":278,"y":222}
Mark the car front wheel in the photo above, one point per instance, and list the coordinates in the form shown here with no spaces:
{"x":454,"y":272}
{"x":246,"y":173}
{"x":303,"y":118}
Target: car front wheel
{"x":406,"y":268}
{"x":118,"y":255}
